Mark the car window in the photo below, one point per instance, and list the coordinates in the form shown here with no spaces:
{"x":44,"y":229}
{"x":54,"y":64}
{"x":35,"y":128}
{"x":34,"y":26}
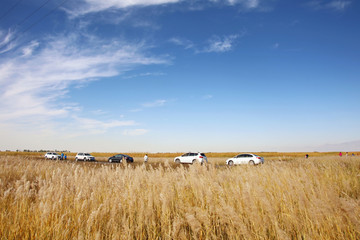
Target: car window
{"x":185,"y":154}
{"x":202,"y":154}
{"x":248,"y":155}
{"x":87,"y":154}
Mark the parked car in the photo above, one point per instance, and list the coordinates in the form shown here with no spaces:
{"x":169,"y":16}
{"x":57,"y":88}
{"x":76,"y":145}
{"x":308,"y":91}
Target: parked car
{"x":52,"y":155}
{"x":83,"y":156}
{"x":120,"y":158}
{"x":246,"y":158}
{"x":191,"y":158}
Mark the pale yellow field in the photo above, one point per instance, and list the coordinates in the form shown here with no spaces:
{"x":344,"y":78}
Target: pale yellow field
{"x":317,"y":198}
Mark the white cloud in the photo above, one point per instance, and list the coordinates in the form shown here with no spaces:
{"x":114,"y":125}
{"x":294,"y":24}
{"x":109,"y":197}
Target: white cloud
{"x":93,"y":6}
{"x":6,"y":43}
{"x":135,"y":132}
{"x":90,"y":6}
{"x":28,"y":50}
{"x":187,"y":44}
{"x":336,"y":5}
{"x":147,"y":74}
{"x":157,"y":103}
{"x":98,"y":112}
{"x":209,"y":96}
{"x":36,"y":78}
{"x":246,"y":3}
{"x":217,"y":44}
{"x":97,"y":126}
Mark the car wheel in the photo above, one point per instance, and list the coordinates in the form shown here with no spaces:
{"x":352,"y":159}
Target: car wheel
{"x":194,"y":161}
{"x":251,"y":162}
{"x":177,"y":161}
{"x":110,"y":160}
{"x":76,"y":159}
{"x":230,"y":163}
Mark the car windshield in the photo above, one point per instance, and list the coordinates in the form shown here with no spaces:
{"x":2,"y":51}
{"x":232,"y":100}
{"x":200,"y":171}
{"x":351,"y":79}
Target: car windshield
{"x":87,"y":154}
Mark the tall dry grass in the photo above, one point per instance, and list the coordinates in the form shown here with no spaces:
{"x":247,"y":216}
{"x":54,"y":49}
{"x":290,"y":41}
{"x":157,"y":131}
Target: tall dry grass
{"x":298,"y":199}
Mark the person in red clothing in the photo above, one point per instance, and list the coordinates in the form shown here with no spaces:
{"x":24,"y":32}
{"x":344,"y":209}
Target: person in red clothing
{"x":340,"y":154}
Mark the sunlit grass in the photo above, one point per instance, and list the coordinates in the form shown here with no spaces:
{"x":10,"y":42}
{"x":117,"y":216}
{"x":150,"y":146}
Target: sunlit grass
{"x":317,"y":198}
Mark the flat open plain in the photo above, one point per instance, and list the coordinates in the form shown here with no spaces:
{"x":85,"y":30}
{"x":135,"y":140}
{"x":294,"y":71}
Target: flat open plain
{"x":286,"y":198}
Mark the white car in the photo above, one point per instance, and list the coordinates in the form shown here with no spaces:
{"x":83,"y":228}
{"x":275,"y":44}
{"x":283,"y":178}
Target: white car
{"x":52,"y":155}
{"x":84,"y":157}
{"x":246,"y":158}
{"x":191,"y":158}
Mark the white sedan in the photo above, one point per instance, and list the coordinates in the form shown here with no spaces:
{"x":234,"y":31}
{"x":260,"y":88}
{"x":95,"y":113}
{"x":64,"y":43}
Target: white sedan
{"x":247,"y":158}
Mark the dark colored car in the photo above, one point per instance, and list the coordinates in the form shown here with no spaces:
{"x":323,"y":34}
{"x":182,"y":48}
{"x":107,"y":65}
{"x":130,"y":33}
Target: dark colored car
{"x":120,"y":157}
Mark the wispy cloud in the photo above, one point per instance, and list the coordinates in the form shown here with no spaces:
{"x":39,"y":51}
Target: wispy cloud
{"x":157,"y":103}
{"x":92,"y":6}
{"x":36,"y":78}
{"x":89,"y":6}
{"x":336,"y":5}
{"x":5,"y":41}
{"x":246,"y":3}
{"x":187,"y":44}
{"x":339,"y":5}
{"x":215,"y":44}
{"x":220,"y":44}
{"x":153,"y":104}
{"x":28,"y":50}
{"x":94,"y":126}
{"x":147,"y":74}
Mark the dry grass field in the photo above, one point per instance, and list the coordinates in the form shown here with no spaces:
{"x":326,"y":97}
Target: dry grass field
{"x":295,"y":198}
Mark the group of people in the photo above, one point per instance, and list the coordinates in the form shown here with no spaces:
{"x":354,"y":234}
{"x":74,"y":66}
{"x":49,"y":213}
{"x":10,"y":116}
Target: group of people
{"x":63,"y":156}
{"x":347,"y":154}
{"x":340,"y":154}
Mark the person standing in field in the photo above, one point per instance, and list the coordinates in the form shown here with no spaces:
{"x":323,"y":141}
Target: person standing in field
{"x":146,"y":158}
{"x":340,"y":154}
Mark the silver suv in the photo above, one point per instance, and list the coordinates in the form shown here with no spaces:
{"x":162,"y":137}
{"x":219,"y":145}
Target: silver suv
{"x":191,"y":158}
{"x":84,"y":157}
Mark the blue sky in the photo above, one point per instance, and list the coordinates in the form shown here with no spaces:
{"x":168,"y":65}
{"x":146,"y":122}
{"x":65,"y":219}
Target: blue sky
{"x":180,"y":75}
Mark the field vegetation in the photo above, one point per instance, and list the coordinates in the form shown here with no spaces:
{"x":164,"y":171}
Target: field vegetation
{"x":315,"y":198}
{"x":168,"y":155}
